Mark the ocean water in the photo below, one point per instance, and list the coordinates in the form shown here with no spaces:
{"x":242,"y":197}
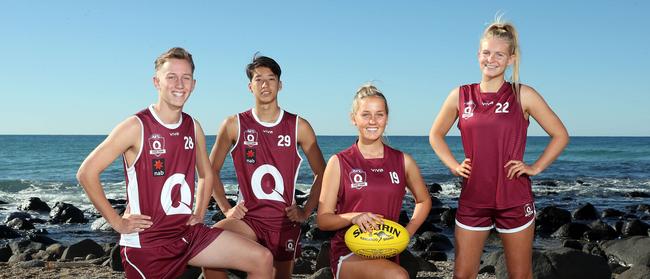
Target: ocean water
{"x":599,"y":170}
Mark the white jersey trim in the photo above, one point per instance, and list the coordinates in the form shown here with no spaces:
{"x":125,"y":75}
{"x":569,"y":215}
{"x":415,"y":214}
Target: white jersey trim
{"x":133,"y":265}
{"x":470,"y":228}
{"x":168,"y":126}
{"x":268,"y":124}
{"x":133,"y":239}
{"x":232,"y":149}
{"x":338,"y":266}
{"x":295,"y":178}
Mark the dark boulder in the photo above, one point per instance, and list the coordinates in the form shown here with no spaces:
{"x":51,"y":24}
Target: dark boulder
{"x":323,"y":258}
{"x":551,"y":218}
{"x":612,"y":213}
{"x":635,"y":227}
{"x":20,"y":224}
{"x":34,"y":204}
{"x":637,"y":194}
{"x":448,"y":217}
{"x":636,"y":272}
{"x":66,"y":213}
{"x":571,"y":230}
{"x":83,"y":249}
{"x":5,"y":254}
{"x":600,"y":231}
{"x":634,"y":250}
{"x":586,"y":212}
{"x":116,"y":259}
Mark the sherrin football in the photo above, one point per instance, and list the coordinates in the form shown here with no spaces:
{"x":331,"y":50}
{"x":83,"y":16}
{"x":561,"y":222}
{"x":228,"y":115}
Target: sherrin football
{"x":387,"y":241}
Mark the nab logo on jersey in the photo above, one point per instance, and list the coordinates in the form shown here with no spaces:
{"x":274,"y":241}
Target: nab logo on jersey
{"x":468,"y":111}
{"x":250,"y":137}
{"x":358,"y":178}
{"x":250,"y":155}
{"x":157,"y":145}
{"x":158,"y":167}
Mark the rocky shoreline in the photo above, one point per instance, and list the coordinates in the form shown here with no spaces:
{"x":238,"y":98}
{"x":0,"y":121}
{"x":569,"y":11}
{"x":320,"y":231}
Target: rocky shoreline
{"x":595,"y":244}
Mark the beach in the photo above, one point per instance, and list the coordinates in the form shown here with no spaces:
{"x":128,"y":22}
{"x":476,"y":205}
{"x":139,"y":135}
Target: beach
{"x":591,"y":204}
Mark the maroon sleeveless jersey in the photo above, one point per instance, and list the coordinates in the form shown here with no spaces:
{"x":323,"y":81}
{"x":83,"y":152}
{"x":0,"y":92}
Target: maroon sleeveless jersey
{"x":493,"y":131}
{"x":368,"y":185}
{"x":160,"y":184}
{"x":267,"y":161}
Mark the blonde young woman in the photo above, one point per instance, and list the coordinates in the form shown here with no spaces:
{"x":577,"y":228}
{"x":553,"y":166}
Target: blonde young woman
{"x":367,"y":182}
{"x":493,"y":118}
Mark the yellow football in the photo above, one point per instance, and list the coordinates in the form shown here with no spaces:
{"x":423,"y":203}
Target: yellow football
{"x":386,"y":241}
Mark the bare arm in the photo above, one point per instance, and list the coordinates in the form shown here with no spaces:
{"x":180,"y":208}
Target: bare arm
{"x":124,"y":139}
{"x":205,"y":175}
{"x":534,"y":105}
{"x":445,"y":119}
{"x":307,"y":141}
{"x":327,"y":218}
{"x":416,"y":185}
{"x":226,"y":138}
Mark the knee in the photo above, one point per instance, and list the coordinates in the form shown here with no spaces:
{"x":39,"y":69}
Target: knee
{"x":265,"y":258}
{"x":463,"y":274}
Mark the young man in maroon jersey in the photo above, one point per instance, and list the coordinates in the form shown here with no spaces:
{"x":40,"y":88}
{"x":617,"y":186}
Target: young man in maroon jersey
{"x":263,"y":143}
{"x":163,"y":148}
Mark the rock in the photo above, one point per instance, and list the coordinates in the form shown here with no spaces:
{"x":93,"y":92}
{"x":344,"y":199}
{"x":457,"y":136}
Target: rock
{"x":611,"y":213}
{"x":436,"y":203}
{"x":600,"y":231}
{"x":116,"y":259}
{"x":571,"y":230}
{"x":448,"y":218}
{"x":637,"y":194}
{"x":20,"y":246}
{"x":487,"y":269}
{"x":82,"y":249}
{"x":302,"y":266}
{"x":309,"y":253}
{"x":436,"y":256}
{"x":323,"y":273}
{"x":434,"y":188}
{"x":323,"y":258}
{"x":550,"y":218}
{"x":191,"y":272}
{"x":66,"y":213}
{"x":403,"y":218}
{"x":635,"y":227}
{"x":41,"y":239}
{"x":429,"y":241}
{"x":19,"y":215}
{"x":643,"y":208}
{"x":56,"y":250}
{"x":559,"y":263}
{"x":413,"y":264}
{"x":34,"y":204}
{"x":20,"y":224}
{"x":617,"y":268}
{"x":31,"y":263}
{"x":593,"y":249}
{"x":634,"y":250}
{"x":3,"y":202}
{"x":586,"y":212}
{"x":547,"y":183}
{"x":117,"y":201}
{"x":5,"y":254}
{"x":636,"y":272}
{"x":7,"y":232}
{"x":21,"y":257}
{"x":574,"y":244}
{"x":102,"y":225}
{"x":43,"y":255}
{"x":316,"y":234}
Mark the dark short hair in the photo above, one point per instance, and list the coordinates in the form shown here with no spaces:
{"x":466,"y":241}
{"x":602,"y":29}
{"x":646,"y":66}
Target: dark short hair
{"x":262,"y":61}
{"x":174,"y":53}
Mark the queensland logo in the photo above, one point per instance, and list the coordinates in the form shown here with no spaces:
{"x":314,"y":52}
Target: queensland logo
{"x":290,"y":246}
{"x":250,"y":137}
{"x":358,"y":178}
{"x":250,"y":155}
{"x":158,"y":167}
{"x":468,"y":111}
{"x":529,"y":209}
{"x":383,"y":232}
{"x":156,"y":145}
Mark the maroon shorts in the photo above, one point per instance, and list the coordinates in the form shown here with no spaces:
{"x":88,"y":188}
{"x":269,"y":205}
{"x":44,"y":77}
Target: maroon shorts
{"x":509,"y":220}
{"x":283,"y":243}
{"x":167,"y":261}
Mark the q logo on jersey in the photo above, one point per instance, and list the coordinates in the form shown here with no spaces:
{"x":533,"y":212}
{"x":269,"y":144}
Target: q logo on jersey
{"x":157,"y":145}
{"x":468,"y":111}
{"x":290,"y":246}
{"x":358,"y":178}
{"x":529,"y":209}
{"x":250,"y":137}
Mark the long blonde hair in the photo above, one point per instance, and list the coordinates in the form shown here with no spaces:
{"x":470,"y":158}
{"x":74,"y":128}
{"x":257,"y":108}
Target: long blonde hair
{"x":367,"y":90}
{"x":506,"y":31}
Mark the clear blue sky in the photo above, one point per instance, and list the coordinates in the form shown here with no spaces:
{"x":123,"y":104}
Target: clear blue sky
{"x":81,"y":67}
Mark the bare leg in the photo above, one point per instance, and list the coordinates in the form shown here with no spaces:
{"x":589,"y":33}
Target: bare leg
{"x":236,"y":226}
{"x":231,"y":250}
{"x":469,"y":248}
{"x":518,"y":250}
{"x":358,"y":267}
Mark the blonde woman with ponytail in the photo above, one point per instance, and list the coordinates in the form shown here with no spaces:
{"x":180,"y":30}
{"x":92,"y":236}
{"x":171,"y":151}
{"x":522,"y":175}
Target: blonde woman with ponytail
{"x":365,"y":183}
{"x":493,"y":118}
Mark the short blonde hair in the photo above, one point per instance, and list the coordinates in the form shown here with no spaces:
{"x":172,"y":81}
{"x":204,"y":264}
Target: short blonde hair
{"x":174,"y":53}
